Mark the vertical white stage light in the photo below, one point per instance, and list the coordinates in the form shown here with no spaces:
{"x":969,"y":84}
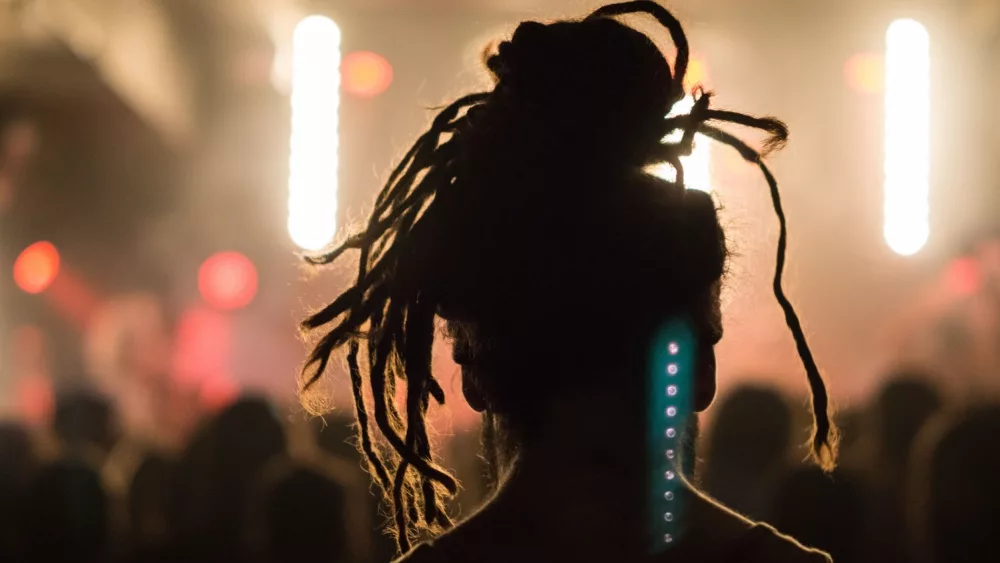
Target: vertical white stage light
{"x":313,"y":163}
{"x":697,"y":166}
{"x":907,"y":137}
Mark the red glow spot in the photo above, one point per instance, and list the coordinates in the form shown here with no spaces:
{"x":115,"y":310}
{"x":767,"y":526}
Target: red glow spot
{"x":37,"y":267}
{"x":227,"y":280}
{"x":964,"y":276}
{"x":865,"y":73}
{"x":203,"y":347}
{"x":365,"y":74}
{"x":218,"y":392}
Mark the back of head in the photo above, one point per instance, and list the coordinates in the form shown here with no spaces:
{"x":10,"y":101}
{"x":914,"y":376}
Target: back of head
{"x":904,"y":405}
{"x":16,"y":455}
{"x":335,"y":435}
{"x":751,"y":432}
{"x":303,"y":515}
{"x":526,"y":219}
{"x":955,"y":490}
{"x":84,"y":419}
{"x":64,"y":515}
{"x":147,"y":500}
{"x":248,"y":433}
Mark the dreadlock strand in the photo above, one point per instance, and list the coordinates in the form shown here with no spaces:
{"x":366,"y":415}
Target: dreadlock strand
{"x":375,"y":463}
{"x":824,"y":439}
{"x":399,"y":508}
{"x":778,"y":131}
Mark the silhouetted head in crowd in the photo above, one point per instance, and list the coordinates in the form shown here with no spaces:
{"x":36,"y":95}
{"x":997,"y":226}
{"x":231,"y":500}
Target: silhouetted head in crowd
{"x":527,"y":220}
{"x":85,"y":419}
{"x":955,"y":490}
{"x":820,"y":510}
{"x":147,"y":501}
{"x":750,"y":439}
{"x":17,"y":460}
{"x":302,"y":516}
{"x":336,"y":434}
{"x":16,"y":454}
{"x":248,"y":433}
{"x":902,"y":408}
{"x":217,"y":472}
{"x":751,"y":432}
{"x":64,"y":515}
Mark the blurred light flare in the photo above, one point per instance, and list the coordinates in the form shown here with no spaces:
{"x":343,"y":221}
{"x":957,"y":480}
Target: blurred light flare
{"x":907,"y":137}
{"x":227,"y":280}
{"x":314,"y":143}
{"x":697,"y":165}
{"x":865,"y":73}
{"x":365,"y":74}
{"x":36,"y":267}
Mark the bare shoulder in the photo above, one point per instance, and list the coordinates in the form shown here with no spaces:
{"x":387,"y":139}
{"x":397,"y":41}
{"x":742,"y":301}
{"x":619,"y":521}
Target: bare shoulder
{"x":423,"y":553}
{"x":773,"y":546}
{"x":747,"y":541}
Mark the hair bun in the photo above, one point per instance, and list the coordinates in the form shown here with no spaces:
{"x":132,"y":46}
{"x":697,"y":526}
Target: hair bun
{"x":596,"y":83}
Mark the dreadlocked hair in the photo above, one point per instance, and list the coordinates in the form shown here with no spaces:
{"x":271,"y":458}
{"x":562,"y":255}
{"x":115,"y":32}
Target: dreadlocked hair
{"x":500,"y":211}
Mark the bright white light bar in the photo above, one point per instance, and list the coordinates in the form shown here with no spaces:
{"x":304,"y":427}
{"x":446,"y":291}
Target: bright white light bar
{"x":697,"y":166}
{"x":312,"y":181}
{"x":907,"y":136}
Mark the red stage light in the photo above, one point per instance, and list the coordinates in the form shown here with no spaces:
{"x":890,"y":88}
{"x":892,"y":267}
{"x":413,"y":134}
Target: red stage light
{"x":865,"y":73}
{"x":227,"y":280}
{"x":365,"y":74}
{"x":37,"y":267}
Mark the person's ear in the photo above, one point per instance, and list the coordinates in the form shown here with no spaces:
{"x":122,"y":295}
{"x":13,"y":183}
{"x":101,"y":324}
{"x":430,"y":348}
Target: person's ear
{"x":471,"y":391}
{"x":704,"y":377}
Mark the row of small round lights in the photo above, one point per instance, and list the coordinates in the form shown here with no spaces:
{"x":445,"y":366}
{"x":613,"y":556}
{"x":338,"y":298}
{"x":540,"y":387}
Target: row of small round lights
{"x":669,"y":495}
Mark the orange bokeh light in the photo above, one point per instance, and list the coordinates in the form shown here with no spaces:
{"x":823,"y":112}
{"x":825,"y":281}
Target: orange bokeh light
{"x":37,"y":267}
{"x":365,"y":74}
{"x":227,"y":280}
{"x":865,"y":73}
{"x":696,"y":75}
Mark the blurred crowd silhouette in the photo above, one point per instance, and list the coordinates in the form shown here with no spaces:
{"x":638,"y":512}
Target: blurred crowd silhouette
{"x":917,"y":483}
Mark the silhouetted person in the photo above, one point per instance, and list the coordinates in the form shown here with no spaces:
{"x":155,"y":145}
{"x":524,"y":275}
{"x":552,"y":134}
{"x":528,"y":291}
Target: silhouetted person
{"x":147,"y":505}
{"x":85,"y":424}
{"x":904,"y":405}
{"x":902,"y":408}
{"x":216,"y":474}
{"x":747,"y":446}
{"x":17,"y":460}
{"x":336,"y":436}
{"x":955,"y":490}
{"x":301,"y":516}
{"x":822,"y":510}
{"x":64,"y":517}
{"x":526,"y":220}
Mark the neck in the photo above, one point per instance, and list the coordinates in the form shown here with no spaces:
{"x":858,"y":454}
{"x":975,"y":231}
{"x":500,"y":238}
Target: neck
{"x":583,"y":464}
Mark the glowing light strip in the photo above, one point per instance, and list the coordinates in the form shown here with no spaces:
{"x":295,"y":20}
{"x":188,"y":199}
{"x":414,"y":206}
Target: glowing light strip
{"x":670,"y":408}
{"x":907,"y":137}
{"x":698,"y":165}
{"x":313,"y":162}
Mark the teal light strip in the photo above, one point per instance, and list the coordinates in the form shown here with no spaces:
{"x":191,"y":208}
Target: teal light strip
{"x":669,"y":394}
